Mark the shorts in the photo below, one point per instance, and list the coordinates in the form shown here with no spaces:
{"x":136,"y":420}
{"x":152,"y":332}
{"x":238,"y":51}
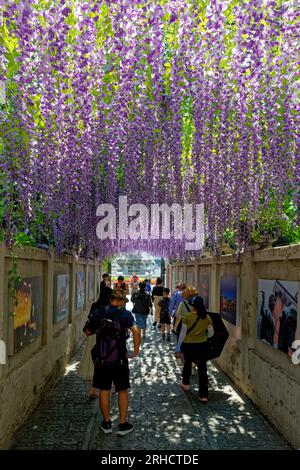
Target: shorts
{"x":106,"y":375}
{"x":165,"y":319}
{"x":141,"y":320}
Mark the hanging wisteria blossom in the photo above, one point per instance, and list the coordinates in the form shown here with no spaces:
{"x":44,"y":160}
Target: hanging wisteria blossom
{"x":179,"y":101}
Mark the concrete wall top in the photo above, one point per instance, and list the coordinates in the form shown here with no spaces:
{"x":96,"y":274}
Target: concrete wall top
{"x":32,"y":253}
{"x":283,"y":253}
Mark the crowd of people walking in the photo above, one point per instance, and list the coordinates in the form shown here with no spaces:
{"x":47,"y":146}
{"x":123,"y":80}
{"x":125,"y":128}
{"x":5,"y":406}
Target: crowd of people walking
{"x":109,"y":325}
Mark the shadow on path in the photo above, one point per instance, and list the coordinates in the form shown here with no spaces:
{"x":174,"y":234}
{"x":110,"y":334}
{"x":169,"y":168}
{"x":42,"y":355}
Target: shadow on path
{"x":164,"y":416}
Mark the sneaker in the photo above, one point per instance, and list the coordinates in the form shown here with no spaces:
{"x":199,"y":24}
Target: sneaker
{"x":186,"y":388}
{"x":154,"y":323}
{"x":168,"y":338}
{"x":106,"y":427}
{"x":163,"y":336}
{"x":124,"y":428}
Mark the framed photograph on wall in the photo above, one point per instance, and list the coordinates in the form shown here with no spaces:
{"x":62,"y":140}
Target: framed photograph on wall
{"x":28,"y":312}
{"x":181,"y":274}
{"x":277,"y":313}
{"x":190,"y":272}
{"x":61,"y":297}
{"x":229,"y":299}
{"x":91,"y":285}
{"x":80,"y":290}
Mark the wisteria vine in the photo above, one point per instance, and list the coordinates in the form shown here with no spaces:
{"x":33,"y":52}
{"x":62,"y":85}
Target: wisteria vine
{"x":163,"y":101}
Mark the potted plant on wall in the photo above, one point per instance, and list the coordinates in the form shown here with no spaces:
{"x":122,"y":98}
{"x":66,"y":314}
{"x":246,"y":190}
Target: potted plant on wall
{"x":277,"y":224}
{"x":229,"y":245}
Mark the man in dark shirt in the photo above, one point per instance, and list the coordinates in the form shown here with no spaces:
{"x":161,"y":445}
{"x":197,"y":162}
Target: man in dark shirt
{"x":165,"y":317}
{"x":157,"y":295}
{"x":121,"y":284}
{"x":104,"y":283}
{"x":142,"y":305}
{"x":105,"y":291}
{"x":118,"y":373}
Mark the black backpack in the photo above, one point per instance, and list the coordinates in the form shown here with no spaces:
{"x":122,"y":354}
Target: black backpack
{"x":110,"y":345}
{"x":142,"y":303}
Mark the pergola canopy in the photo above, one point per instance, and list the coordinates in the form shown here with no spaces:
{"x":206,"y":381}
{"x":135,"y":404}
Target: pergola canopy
{"x":181,"y":101}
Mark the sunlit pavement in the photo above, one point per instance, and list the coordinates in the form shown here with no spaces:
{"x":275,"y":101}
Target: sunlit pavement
{"x":163,"y":415}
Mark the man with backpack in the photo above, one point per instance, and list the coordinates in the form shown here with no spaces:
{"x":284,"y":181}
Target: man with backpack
{"x":142,"y":305}
{"x":111,"y":325}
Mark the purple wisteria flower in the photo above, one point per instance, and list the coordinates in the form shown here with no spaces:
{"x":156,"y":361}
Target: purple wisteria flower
{"x":177,"y":101}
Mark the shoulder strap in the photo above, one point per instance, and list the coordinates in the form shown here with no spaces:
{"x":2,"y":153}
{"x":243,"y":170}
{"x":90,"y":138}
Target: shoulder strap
{"x":193,"y":326}
{"x":187,"y":306}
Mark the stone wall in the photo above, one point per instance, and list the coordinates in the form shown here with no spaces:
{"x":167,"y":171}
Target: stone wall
{"x":28,"y":373}
{"x":265,"y":374}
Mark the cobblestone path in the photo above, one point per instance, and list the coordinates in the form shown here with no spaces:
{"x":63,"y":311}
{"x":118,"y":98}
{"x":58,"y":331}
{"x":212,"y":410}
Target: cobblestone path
{"x":164,"y":416}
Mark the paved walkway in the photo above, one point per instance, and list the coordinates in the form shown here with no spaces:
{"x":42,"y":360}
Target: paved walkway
{"x":164,"y":416}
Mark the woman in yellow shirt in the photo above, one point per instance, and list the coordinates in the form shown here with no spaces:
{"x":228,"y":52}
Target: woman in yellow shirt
{"x":196,"y":328}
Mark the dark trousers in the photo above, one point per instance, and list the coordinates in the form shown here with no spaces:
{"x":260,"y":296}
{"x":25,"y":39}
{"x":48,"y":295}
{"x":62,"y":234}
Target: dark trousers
{"x":195,"y":353}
